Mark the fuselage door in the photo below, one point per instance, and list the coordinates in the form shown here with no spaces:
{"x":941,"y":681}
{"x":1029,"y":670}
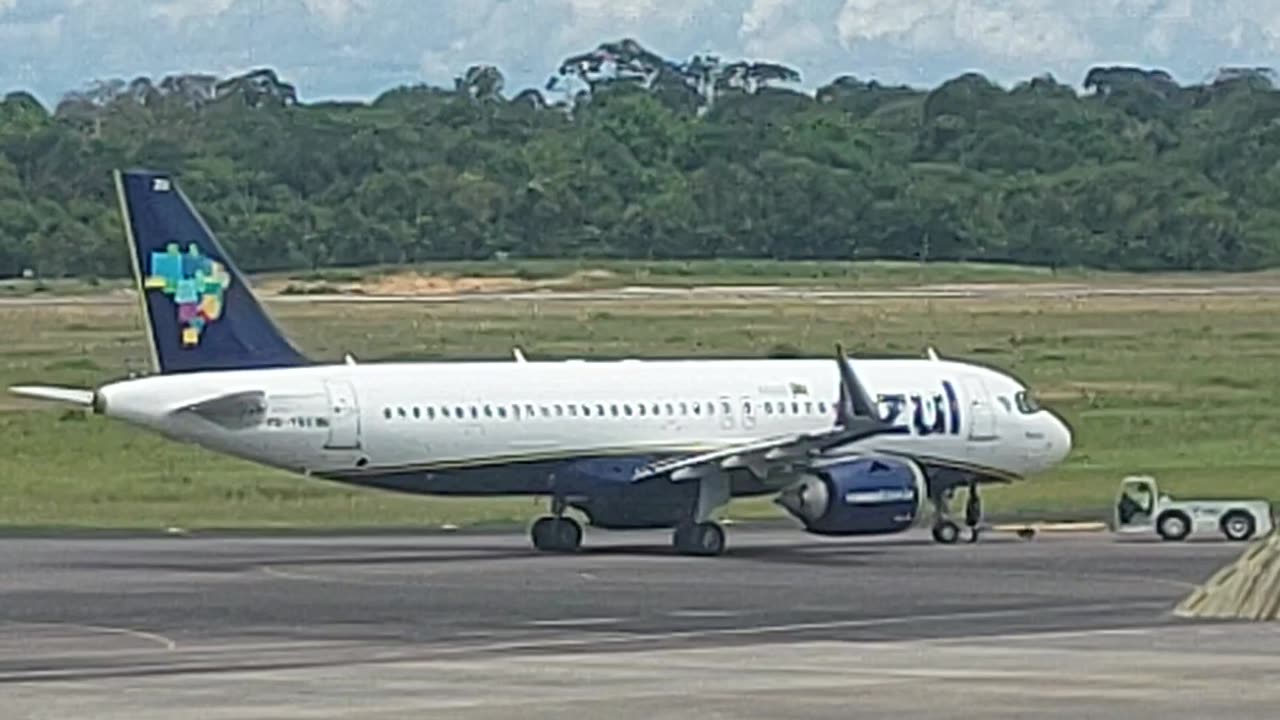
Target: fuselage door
{"x":982,"y":414}
{"x":344,"y":416}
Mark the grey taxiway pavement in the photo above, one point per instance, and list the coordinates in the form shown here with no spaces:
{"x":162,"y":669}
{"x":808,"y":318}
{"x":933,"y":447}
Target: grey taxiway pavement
{"x":481,"y":627}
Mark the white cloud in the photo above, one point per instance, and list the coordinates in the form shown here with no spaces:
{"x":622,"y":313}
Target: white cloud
{"x":355,"y":48}
{"x":179,"y":11}
{"x":1012,"y":29}
{"x":335,"y":12}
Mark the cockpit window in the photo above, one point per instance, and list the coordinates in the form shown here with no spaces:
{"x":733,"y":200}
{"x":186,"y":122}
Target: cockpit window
{"x":1027,"y":403}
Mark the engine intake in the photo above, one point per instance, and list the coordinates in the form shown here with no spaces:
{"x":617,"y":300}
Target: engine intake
{"x":863,"y":496}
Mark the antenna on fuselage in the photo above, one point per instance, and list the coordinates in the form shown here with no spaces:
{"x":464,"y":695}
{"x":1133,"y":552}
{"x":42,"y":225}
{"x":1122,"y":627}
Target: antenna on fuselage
{"x":519,"y":355}
{"x":348,"y":359}
{"x":932,"y":354}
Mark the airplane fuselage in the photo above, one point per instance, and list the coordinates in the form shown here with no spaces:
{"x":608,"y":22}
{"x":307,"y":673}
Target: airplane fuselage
{"x":480,"y":428}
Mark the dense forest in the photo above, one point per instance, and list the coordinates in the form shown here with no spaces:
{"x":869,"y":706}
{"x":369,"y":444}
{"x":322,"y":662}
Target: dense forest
{"x":626,"y":154}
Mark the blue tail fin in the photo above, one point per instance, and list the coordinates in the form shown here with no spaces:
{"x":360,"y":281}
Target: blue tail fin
{"x":200,"y":311}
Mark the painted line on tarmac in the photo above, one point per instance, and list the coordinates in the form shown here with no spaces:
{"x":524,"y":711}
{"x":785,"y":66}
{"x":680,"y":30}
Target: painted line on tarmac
{"x":576,"y":622}
{"x":417,"y":654}
{"x":704,"y":614}
{"x":156,"y":638}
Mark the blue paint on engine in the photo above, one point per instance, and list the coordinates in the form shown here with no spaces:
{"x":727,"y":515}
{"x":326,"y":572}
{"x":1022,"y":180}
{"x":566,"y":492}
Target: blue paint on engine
{"x":868,"y":496}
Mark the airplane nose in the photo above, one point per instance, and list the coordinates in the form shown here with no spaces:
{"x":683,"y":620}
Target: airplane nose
{"x":1060,"y":439}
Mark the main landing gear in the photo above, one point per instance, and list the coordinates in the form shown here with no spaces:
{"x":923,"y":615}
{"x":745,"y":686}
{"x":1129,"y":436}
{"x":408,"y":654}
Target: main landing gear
{"x":704,"y":538}
{"x":556,"y":533}
{"x":945,"y":530}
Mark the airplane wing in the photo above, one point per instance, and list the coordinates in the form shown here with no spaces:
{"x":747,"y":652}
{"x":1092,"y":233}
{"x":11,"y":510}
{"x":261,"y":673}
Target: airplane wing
{"x":74,"y":396}
{"x":856,"y":419}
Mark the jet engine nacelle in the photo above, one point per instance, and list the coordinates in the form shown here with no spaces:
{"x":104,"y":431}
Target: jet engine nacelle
{"x":863,"y":496}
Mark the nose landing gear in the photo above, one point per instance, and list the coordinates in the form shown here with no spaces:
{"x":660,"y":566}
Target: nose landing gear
{"x":945,"y":530}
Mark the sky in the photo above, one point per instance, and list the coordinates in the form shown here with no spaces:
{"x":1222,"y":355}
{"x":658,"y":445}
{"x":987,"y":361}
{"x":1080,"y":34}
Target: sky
{"x":355,"y":49}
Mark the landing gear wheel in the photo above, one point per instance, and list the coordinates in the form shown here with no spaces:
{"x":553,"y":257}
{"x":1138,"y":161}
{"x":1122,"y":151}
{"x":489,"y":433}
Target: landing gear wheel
{"x":946,"y":532}
{"x":1174,"y":526}
{"x":556,"y":534}
{"x":1238,"y":526}
{"x":704,"y":539}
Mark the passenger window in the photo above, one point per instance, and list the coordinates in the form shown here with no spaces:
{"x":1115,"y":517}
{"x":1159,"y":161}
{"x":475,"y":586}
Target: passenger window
{"x":417,"y":413}
{"x":822,"y":408}
{"x":614,"y":409}
{"x":475,"y":413}
{"x":444,"y":411}
{"x":600,"y":410}
{"x":627,"y":410}
{"x":671,"y":410}
{"x":573,"y":410}
{"x":275,"y":422}
{"x":808,"y":408}
{"x":726,"y":408}
{"x":515,"y":411}
{"x":586,"y":411}
{"x":502,"y":412}
{"x":657,"y":409}
{"x":488,"y":411}
{"x":401,"y":412}
{"x":684,"y":408}
{"x":697,"y":408}
{"x":546,"y":411}
{"x":386,"y":412}
{"x":559,"y":410}
{"x":431,"y":413}
{"x":782,"y":408}
{"x":640,"y":409}
{"x":768,"y":408}
{"x":322,"y":422}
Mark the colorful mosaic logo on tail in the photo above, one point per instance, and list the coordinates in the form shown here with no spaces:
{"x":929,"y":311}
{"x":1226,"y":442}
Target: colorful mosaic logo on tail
{"x":195,"y":283}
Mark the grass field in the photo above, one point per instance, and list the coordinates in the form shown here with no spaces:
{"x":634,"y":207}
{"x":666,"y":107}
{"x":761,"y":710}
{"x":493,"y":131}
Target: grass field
{"x":588,"y":274}
{"x":1182,"y":388}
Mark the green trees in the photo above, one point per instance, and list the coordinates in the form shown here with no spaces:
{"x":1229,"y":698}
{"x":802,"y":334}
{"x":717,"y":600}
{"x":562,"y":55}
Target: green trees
{"x":629,"y":154}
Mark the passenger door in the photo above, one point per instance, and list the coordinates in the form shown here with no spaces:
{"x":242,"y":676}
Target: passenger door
{"x":344,"y":416}
{"x":982,"y":414}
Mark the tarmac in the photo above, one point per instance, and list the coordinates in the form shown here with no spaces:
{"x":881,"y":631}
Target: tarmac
{"x":479,"y":626}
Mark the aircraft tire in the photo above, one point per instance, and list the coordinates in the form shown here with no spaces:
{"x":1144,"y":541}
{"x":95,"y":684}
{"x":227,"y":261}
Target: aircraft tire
{"x":556,"y":534}
{"x":702,"y":539}
{"x":946,"y":532}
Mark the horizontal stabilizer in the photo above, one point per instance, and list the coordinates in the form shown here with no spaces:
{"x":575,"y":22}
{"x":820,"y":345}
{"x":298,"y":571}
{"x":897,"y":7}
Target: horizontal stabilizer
{"x":74,"y":396}
{"x":236,"y":411}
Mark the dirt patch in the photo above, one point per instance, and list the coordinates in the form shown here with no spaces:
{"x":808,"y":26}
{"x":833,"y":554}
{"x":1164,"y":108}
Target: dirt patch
{"x":419,"y":284}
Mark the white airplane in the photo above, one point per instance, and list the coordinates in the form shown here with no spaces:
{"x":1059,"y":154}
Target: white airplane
{"x":849,"y":447}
